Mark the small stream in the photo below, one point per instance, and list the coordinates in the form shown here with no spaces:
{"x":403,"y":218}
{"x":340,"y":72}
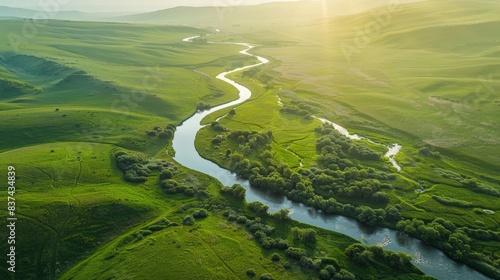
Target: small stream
{"x":392,"y":150}
{"x":429,"y":259}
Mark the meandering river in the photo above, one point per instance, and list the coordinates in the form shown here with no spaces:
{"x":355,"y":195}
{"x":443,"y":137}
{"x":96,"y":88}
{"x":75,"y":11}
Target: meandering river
{"x":430,"y":260}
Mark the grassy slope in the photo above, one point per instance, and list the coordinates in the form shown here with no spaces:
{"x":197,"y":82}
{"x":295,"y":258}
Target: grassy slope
{"x":410,"y":84}
{"x":65,"y":110}
{"x":396,"y":77}
{"x":131,"y":74}
{"x":426,"y":79}
{"x":400,"y":76}
{"x":212,"y":249}
{"x":73,"y":96}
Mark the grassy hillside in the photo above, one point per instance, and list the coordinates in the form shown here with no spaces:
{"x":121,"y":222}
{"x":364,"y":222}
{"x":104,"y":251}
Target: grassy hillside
{"x":405,"y":74}
{"x":439,"y":68}
{"x":86,"y":108}
{"x":438,"y":78}
{"x":99,"y":84}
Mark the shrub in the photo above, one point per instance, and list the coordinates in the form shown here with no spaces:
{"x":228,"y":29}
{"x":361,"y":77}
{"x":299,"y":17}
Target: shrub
{"x":151,"y":133}
{"x":425,"y":151}
{"x":166,"y":134}
{"x":242,"y":220}
{"x":258,"y":207}
{"x":275,"y":257}
{"x":266,"y":276}
{"x":188,"y":220}
{"x":145,"y":232}
{"x":166,"y":174}
{"x":309,"y":263}
{"x":452,"y":202}
{"x":251,"y":273}
{"x":282,"y":244}
{"x":331,"y":269}
{"x":344,"y":275}
{"x":203,"y":106}
{"x":157,"y":227}
{"x":296,"y":253}
{"x":324,"y":274}
{"x":200,"y":214}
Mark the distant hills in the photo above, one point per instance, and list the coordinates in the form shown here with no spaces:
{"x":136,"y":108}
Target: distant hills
{"x":213,"y":15}
{"x":10,"y":13}
{"x":269,"y":12}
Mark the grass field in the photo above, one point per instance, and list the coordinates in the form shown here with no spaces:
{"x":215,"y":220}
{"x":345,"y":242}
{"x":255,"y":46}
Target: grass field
{"x":76,"y":94}
{"x":415,"y":78}
{"x":406,"y":84}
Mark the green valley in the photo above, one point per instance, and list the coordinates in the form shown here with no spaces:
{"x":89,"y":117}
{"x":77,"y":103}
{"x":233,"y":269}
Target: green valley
{"x":90,"y":112}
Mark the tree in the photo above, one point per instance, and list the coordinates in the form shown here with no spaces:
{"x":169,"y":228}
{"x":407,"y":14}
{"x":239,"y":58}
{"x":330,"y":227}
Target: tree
{"x":393,"y":213}
{"x":239,"y":191}
{"x":282,"y":214}
{"x":309,"y":236}
{"x":367,"y":216}
{"x":258,"y":207}
{"x":295,"y":177}
{"x":297,"y":233}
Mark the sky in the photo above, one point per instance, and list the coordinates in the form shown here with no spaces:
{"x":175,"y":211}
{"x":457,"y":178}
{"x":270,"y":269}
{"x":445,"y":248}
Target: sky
{"x":126,"y":5}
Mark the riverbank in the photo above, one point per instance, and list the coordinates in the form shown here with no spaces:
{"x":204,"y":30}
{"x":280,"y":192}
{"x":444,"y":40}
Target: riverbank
{"x":184,"y":141}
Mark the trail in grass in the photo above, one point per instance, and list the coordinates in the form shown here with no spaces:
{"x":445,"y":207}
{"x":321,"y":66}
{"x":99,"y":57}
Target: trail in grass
{"x":218,"y":257}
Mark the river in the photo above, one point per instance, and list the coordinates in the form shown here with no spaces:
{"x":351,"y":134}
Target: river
{"x":429,"y":259}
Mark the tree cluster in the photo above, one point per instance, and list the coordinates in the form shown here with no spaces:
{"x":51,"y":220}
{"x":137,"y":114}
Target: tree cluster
{"x":456,"y":242}
{"x":295,"y":111}
{"x":316,"y":186}
{"x":200,"y":214}
{"x":367,"y":255}
{"x":163,"y":133}
{"x":237,"y":191}
{"x":261,"y":232}
{"x":133,"y":166}
{"x":307,"y":236}
{"x":202,"y":106}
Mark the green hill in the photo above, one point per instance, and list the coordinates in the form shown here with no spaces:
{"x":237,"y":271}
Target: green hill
{"x":88,"y":107}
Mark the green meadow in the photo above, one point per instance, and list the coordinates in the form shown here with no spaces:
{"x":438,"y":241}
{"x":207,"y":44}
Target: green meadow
{"x":77,"y":95}
{"x":421,"y":83}
{"x":424,"y":75}
{"x":404,"y":74}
